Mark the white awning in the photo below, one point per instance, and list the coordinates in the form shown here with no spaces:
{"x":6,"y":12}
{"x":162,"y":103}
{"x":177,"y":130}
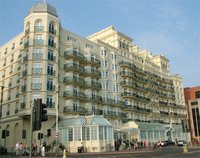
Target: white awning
{"x":131,"y":125}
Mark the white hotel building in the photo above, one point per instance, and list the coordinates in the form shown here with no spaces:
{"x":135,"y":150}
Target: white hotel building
{"x":104,"y":81}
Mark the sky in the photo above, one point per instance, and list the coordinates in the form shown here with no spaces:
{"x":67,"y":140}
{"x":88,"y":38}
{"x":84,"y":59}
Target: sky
{"x":168,"y":27}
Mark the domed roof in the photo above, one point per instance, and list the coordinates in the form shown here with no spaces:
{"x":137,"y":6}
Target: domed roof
{"x":43,"y":7}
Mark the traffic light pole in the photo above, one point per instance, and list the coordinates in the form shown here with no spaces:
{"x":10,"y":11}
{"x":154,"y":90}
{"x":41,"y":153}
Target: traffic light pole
{"x":57,"y":91}
{"x":31,"y":130}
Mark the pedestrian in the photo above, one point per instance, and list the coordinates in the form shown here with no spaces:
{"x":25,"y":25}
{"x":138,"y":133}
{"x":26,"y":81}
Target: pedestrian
{"x":17,"y":148}
{"x":43,"y":150}
{"x":20,"y":148}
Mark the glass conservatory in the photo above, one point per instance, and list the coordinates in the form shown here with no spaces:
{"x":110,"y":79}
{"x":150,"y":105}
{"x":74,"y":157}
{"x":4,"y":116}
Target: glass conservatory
{"x":94,"y":133}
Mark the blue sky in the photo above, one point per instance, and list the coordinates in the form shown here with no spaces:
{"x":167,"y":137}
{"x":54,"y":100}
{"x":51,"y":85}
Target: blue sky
{"x":168,"y":27}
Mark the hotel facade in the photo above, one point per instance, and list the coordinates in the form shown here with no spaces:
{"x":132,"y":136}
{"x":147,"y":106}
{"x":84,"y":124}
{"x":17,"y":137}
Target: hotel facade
{"x":103,"y":87}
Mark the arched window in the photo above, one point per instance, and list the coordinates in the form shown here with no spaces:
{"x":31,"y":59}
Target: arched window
{"x":38,"y":26}
{"x":52,"y":28}
{"x":27,"y":28}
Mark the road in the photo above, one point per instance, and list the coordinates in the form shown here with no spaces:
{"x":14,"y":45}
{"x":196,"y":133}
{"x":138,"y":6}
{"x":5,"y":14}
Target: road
{"x":165,"y":152}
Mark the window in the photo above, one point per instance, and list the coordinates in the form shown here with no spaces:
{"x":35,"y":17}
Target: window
{"x":50,"y":69}
{"x":13,"y":46}
{"x":104,"y":53}
{"x":114,"y":57}
{"x":194,"y":103}
{"x":50,"y":55}
{"x":77,"y":133}
{"x":100,"y":133}
{"x":49,"y":85}
{"x":114,"y":66}
{"x":94,"y":133}
{"x":51,"y":42}
{"x":39,"y":26}
{"x":12,"y":58}
{"x":75,"y":106}
{"x":6,"y":50}
{"x":115,"y":77}
{"x":11,"y":69}
{"x":85,"y":133}
{"x":197,"y":94}
{"x":52,"y":28}
{"x":70,"y":134}
{"x":49,"y":101}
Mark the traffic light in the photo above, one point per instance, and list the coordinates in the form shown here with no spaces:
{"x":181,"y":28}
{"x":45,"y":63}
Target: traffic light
{"x":49,"y":132}
{"x":5,"y":133}
{"x":39,"y":114}
{"x":40,"y":136}
{"x":44,"y":116}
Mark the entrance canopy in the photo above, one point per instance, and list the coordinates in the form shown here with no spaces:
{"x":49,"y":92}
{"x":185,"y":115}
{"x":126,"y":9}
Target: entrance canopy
{"x":131,"y":125}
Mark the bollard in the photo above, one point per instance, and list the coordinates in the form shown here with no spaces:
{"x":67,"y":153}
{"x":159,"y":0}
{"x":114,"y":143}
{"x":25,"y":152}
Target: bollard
{"x":185,"y":149}
{"x":64,"y":154}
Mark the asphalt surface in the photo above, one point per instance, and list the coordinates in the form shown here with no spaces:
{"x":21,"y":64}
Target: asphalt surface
{"x":164,"y":152}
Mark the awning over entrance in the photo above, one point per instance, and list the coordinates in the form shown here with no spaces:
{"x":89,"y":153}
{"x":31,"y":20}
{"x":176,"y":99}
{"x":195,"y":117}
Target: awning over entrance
{"x":131,"y":125}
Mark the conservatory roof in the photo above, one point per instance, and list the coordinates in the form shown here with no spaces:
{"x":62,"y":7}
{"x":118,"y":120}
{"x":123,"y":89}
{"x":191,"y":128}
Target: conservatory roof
{"x":151,"y":126}
{"x":84,"y":121}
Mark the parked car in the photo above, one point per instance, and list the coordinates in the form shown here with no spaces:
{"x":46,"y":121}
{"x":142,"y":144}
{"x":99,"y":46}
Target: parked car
{"x":163,"y":143}
{"x":2,"y":150}
{"x":169,"y":142}
{"x":181,"y":143}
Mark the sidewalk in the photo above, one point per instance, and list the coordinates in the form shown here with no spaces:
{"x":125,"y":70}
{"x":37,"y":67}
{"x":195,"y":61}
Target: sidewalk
{"x":130,"y":151}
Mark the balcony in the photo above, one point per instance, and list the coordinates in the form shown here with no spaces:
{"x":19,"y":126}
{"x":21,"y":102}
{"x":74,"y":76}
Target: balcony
{"x":93,"y":72}
{"x":23,"y":105}
{"x":51,"y":58}
{"x":96,"y":85}
{"x":74,"y":55}
{"x":39,"y":28}
{"x":26,"y":44}
{"x":24,"y":73}
{"x":81,"y":110}
{"x":51,"y":72}
{"x":23,"y":88}
{"x":74,"y":80}
{"x":134,"y":96}
{"x":8,"y":113}
{"x":36,"y":86}
{"x":74,"y":67}
{"x":27,"y":31}
{"x":17,"y":95}
{"x":76,"y":95}
{"x":36,"y":70}
{"x":38,"y":41}
{"x":94,"y":61}
{"x":52,"y":44}
{"x":9,"y":97}
{"x":18,"y":80}
{"x":16,"y":111}
{"x":96,"y":98}
{"x":50,"y":104}
{"x":25,"y":58}
{"x":37,"y":56}
{"x":114,"y":114}
{"x":50,"y":87}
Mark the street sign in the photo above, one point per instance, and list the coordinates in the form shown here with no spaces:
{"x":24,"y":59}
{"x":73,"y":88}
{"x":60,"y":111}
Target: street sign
{"x":56,"y":135}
